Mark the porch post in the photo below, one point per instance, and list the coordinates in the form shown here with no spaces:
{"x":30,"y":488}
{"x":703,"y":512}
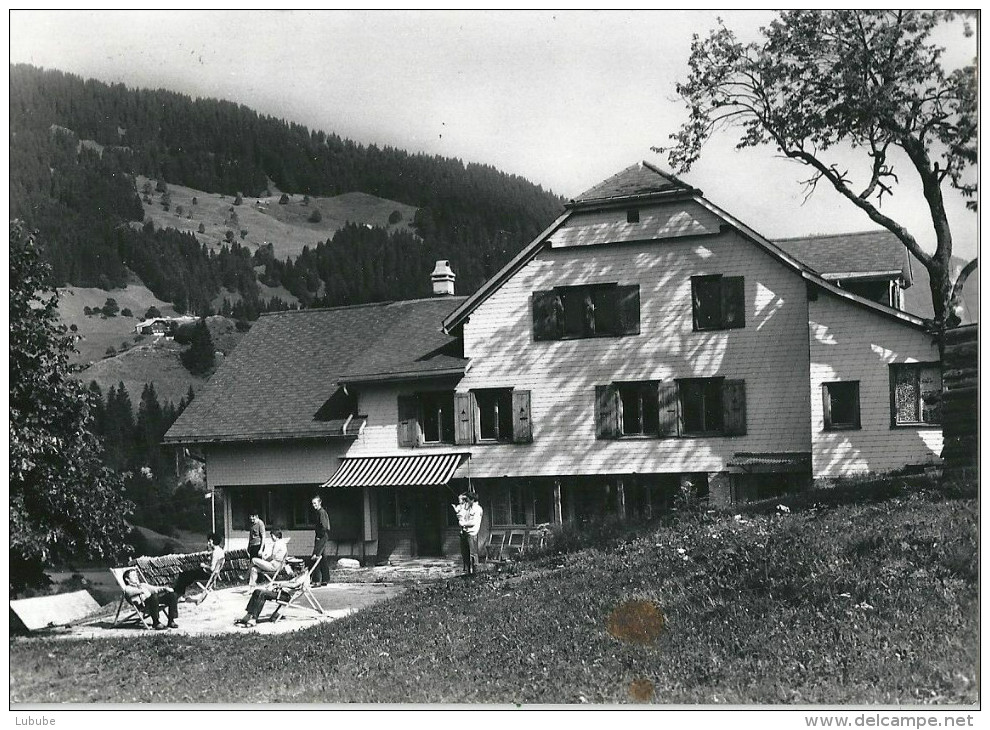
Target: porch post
{"x":620,"y":498}
{"x":558,"y":515}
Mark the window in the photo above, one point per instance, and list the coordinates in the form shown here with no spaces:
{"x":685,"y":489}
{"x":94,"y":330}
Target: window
{"x":640,"y":409}
{"x":718,"y":302}
{"x":492,"y":416}
{"x":632,"y":215}
{"x":494,"y":412}
{"x":508,"y":505}
{"x":394,"y":508}
{"x":915,"y":394}
{"x":841,"y":402}
{"x":593,"y":310}
{"x":426,"y":418}
{"x":668,"y":409}
{"x":701,"y":405}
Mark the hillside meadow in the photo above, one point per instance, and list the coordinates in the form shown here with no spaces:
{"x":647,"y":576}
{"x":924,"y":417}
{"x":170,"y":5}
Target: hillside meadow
{"x":858,"y":603}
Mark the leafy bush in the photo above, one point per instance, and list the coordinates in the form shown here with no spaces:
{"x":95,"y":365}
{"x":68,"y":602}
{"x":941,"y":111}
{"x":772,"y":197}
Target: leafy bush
{"x":126,"y":312}
{"x":316,"y":216}
{"x":202,"y":228}
{"x":152,"y":312}
{"x":239,"y":199}
{"x":284,"y":199}
{"x":394,"y":217}
{"x":110,"y":307}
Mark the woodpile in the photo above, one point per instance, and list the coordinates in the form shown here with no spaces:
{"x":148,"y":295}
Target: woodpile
{"x":960,"y":398}
{"x":164,"y":569}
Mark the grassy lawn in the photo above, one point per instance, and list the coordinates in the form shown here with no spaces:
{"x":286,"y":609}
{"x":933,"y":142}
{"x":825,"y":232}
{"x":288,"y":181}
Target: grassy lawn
{"x":868,"y":603}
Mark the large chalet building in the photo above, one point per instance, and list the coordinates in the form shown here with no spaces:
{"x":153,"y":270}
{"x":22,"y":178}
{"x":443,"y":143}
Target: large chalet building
{"x":644,"y":344}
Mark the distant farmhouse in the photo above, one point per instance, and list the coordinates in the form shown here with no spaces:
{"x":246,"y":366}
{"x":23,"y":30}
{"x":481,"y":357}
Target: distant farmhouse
{"x":647,"y":344}
{"x":162,"y":325}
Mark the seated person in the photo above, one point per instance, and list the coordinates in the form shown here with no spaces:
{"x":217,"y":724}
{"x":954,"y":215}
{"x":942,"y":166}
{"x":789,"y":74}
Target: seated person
{"x":283,"y":591}
{"x":271,"y":561}
{"x":148,"y":599}
{"x":205,"y":570}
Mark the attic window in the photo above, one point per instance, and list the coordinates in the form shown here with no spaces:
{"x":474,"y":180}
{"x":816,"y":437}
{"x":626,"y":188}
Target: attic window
{"x":632,"y":215}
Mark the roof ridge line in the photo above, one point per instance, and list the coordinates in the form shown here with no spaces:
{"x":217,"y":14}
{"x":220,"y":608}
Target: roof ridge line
{"x":340,"y":307}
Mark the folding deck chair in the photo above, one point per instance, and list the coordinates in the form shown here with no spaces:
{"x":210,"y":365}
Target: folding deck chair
{"x":135,"y":612}
{"x":295,"y":600}
{"x":211,"y":582}
{"x":493,"y":551}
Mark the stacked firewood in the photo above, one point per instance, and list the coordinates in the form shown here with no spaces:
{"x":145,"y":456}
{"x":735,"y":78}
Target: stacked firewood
{"x":960,"y":398}
{"x":164,"y":569}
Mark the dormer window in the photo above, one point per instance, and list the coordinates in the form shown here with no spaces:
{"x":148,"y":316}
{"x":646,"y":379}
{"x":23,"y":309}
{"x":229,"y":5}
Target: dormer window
{"x":632,"y":215}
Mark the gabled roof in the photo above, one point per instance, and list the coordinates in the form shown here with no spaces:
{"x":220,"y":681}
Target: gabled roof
{"x":850,"y":255}
{"x":275,"y":383}
{"x":637,"y":182}
{"x":645,"y":182}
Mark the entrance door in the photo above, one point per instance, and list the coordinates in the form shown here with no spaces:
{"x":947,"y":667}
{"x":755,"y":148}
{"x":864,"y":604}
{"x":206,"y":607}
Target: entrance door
{"x":429,"y":521}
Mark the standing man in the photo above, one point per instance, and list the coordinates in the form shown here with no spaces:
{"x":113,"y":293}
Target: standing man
{"x":322,"y":545}
{"x":256,"y":537}
{"x":469,"y":514}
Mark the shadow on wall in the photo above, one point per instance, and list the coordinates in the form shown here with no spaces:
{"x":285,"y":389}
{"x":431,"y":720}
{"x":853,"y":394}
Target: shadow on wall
{"x":667,"y":348}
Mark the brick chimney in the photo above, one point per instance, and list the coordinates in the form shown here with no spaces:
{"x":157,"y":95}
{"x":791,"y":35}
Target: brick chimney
{"x":443,"y":279}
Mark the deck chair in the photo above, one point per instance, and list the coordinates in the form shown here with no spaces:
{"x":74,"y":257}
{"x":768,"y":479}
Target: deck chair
{"x":496,"y":542}
{"x":211,"y":582}
{"x":296,"y":599}
{"x":515,"y":544}
{"x":135,"y":615}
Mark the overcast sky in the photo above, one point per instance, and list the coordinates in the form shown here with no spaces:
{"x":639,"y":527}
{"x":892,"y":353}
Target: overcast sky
{"x":562,"y":98}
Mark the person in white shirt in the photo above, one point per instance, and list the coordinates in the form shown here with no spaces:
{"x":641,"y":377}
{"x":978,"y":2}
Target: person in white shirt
{"x":469,"y":514}
{"x":271,"y":561}
{"x":205,"y":570}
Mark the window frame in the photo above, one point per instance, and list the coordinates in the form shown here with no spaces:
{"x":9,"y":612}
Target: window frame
{"x":917,"y":367}
{"x":643,"y":391}
{"x":501,"y":397}
{"x":425,"y":398}
{"x":715,"y":382}
{"x":721,"y":284}
{"x":828,"y":422}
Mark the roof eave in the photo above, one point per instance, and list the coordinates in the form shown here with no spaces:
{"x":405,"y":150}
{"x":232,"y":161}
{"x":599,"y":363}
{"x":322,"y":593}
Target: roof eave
{"x":253,"y":437}
{"x":359,"y":378}
{"x":898,"y":314}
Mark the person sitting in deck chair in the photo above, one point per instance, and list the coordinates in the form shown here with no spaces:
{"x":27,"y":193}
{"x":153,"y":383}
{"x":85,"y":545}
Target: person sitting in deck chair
{"x":282,"y":591}
{"x":149,"y":599}
{"x":205,"y":570}
{"x":272,"y":562}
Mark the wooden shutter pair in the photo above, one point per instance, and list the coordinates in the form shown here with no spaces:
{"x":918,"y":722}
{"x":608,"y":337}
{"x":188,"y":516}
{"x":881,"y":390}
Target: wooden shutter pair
{"x":617,"y":312}
{"x":465,"y":431}
{"x":608,"y":409}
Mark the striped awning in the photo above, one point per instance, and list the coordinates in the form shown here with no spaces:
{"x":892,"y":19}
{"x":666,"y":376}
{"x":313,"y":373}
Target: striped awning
{"x":395,"y":471}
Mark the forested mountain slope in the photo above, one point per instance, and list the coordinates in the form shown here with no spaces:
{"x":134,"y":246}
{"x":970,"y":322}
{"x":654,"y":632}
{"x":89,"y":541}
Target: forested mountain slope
{"x":78,"y":146}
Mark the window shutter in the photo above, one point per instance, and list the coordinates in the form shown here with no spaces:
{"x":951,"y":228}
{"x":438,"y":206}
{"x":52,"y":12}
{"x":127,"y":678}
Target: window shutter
{"x":667,"y":397}
{"x":606,"y":411}
{"x":546,"y":322}
{"x":734,"y":407}
{"x":627,"y":306}
{"x":733,"y":293}
{"x":408,"y":420}
{"x":463,"y":418}
{"x":522,"y":426}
